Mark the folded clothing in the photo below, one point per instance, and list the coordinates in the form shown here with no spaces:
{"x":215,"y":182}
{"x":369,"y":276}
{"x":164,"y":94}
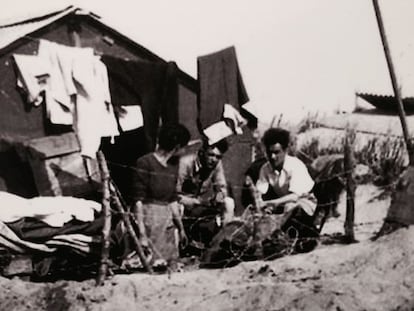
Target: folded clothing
{"x":35,"y":230}
{"x":55,"y":211}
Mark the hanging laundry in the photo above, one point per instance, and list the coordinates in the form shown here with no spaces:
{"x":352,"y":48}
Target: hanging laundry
{"x":48,"y":77}
{"x":237,"y":121}
{"x":29,"y":69}
{"x":59,"y":86}
{"x":130,"y":118}
{"x":220,"y":83}
{"x":217,"y":132}
{"x":153,"y":86}
{"x":59,"y":74}
{"x":95,"y":114}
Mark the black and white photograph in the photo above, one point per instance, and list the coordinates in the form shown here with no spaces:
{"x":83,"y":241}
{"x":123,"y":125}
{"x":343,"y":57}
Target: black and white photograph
{"x":207,"y":155}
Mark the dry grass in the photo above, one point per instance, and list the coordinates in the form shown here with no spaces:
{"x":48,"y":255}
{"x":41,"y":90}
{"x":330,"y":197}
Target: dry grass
{"x":385,"y":155}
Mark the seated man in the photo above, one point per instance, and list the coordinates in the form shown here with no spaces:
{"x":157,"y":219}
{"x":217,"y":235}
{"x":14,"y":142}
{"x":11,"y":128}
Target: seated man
{"x":202,"y":190}
{"x":285,"y":182}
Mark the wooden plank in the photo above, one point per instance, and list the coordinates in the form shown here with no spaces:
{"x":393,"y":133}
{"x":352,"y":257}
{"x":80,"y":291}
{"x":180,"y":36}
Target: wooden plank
{"x":52,"y":146}
{"x":65,"y":175}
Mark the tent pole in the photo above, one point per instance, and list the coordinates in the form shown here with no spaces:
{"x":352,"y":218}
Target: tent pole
{"x":394,"y":82}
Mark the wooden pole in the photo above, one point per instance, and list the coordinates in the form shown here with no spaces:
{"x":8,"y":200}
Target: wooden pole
{"x":394,"y":82}
{"x":400,"y":211}
{"x":273,"y":121}
{"x":280,"y":120}
{"x":127,"y":221}
{"x":349,"y":161}
{"x":106,"y":230}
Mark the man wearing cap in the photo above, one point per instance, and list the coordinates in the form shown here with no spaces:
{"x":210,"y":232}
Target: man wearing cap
{"x":202,"y":189}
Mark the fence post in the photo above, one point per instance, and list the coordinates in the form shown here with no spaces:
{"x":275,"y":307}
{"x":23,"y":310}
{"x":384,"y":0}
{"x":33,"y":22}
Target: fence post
{"x":106,"y":230}
{"x":349,"y":163}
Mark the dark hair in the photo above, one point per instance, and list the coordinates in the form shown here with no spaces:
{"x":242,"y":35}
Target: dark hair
{"x":276,"y":135}
{"x":172,"y":135}
{"x":222,"y":145}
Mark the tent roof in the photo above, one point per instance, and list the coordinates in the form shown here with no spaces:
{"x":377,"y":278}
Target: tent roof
{"x":16,"y":31}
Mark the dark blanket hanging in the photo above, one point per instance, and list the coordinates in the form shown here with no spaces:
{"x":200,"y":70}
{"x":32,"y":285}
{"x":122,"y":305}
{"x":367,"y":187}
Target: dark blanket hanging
{"x":220,"y":83}
{"x":153,"y":86}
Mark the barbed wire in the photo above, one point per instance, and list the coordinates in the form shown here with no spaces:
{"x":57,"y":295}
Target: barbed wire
{"x":237,"y":255}
{"x":327,"y":204}
{"x":96,"y":173}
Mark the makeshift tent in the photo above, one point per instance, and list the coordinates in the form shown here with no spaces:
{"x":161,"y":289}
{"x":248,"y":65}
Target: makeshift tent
{"x":23,"y":126}
{"x":63,"y":171}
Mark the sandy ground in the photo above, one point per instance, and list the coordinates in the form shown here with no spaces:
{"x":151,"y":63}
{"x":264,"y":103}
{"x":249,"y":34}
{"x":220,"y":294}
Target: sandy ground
{"x":370,"y":210}
{"x":362,"y":276}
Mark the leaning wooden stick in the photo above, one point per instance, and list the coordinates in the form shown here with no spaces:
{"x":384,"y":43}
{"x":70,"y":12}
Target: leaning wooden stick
{"x":394,"y":82}
{"x":106,"y":230}
{"x":127,"y":221}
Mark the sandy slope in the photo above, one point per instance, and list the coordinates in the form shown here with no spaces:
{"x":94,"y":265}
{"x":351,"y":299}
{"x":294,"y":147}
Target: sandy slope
{"x":370,"y":210}
{"x":362,"y":276}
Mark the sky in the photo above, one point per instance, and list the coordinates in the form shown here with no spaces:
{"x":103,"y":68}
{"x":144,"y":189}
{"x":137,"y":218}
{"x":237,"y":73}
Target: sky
{"x":296,"y":57}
